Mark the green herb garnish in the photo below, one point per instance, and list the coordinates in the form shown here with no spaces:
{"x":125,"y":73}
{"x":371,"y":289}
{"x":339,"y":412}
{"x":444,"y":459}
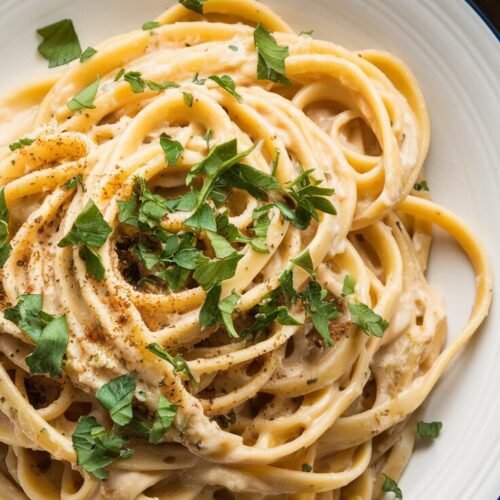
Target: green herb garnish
{"x":87,"y":54}
{"x":349,"y":285}
{"x":21,"y":143}
{"x":85,"y":98}
{"x":390,"y":486}
{"x":429,"y":429}
{"x":49,"y":333}
{"x":227,"y":83}
{"x":5,"y":247}
{"x":116,"y":396}
{"x":60,"y":43}
{"x":150,"y":25}
{"x":421,"y":186}
{"x":194,"y":5}
{"x":271,"y":57}
{"x":172,"y":149}
{"x":90,"y":231}
{"x":97,"y":448}
{"x":369,"y":321}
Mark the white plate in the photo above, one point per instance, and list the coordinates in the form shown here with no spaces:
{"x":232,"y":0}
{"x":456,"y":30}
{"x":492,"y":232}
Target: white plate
{"x":457,"y":61}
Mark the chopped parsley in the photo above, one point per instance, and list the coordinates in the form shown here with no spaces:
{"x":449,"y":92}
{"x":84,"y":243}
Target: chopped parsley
{"x":60,"y":43}
{"x":227,"y":83}
{"x":216,"y":271}
{"x":188,"y":99}
{"x":97,"y":448}
{"x":319,"y":310}
{"x":21,"y":143}
{"x":429,"y":429}
{"x":304,"y":261}
{"x":390,"y":486}
{"x":116,"y":396}
{"x":87,"y":54}
{"x":74,"y":182}
{"x":164,"y":418}
{"x":349,"y":285}
{"x":177,"y":361}
{"x":150,"y":25}
{"x":215,"y":310}
{"x":233,"y":48}
{"x":307,"y":468}
{"x":194,"y":5}
{"x":271,"y":57}
{"x":139,"y":84}
{"x":306,"y":32}
{"x":5,"y":247}
{"x":421,"y":186}
{"x":172,"y":149}
{"x":50,"y":334}
{"x":369,"y":321}
{"x":85,"y":98}
{"x":90,"y":231}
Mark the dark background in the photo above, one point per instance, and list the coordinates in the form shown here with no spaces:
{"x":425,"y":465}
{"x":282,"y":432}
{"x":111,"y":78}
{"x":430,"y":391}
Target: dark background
{"x":491,"y":9}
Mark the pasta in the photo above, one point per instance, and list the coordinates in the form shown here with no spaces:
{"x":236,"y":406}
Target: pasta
{"x":215,"y":233}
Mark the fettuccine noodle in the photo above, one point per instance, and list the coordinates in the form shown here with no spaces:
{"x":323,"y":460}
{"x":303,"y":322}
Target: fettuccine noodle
{"x":274,"y":415}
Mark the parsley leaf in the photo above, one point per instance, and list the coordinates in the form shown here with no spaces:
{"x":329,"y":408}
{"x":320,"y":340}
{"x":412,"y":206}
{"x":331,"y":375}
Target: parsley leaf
{"x":87,"y":54}
{"x":134,"y":79}
{"x":221,"y":158}
{"x":227,"y":83}
{"x":116,"y":396}
{"x":226,"y":309}
{"x":165,"y":416}
{"x":49,"y":333}
{"x":215,"y":310}
{"x":349,"y":286}
{"x":221,"y":246}
{"x":188,"y":99}
{"x":390,"y":486}
{"x":208,"y":137}
{"x":5,"y":247}
{"x":271,"y":56}
{"x":203,"y":219}
{"x":199,"y":81}
{"x":90,"y":231}
{"x":320,"y":311}
{"x":89,"y":228}
{"x":209,"y":312}
{"x":194,"y":5}
{"x":421,"y":186}
{"x":60,"y":43}
{"x":97,"y":448}
{"x":268,"y":311}
{"x":50,"y":348}
{"x":85,"y":98}
{"x":252,"y":180}
{"x":369,"y":321}
{"x":21,"y":143}
{"x":216,"y":271}
{"x":177,"y":361}
{"x":286,"y":280}
{"x":73,"y":182}
{"x":150,"y":25}
{"x":304,"y":261}
{"x":139,"y":84}
{"x":28,"y":315}
{"x":429,"y":429}
{"x":172,"y":149}
{"x":93,"y":262}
